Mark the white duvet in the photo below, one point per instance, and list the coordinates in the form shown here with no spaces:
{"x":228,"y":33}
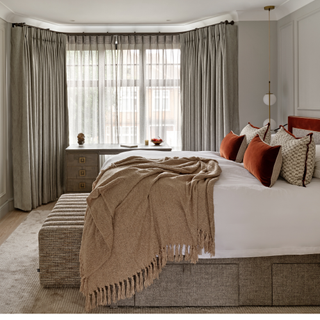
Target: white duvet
{"x":252,"y":220}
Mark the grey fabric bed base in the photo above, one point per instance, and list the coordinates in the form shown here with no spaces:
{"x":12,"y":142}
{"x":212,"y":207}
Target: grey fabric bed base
{"x":263,"y":281}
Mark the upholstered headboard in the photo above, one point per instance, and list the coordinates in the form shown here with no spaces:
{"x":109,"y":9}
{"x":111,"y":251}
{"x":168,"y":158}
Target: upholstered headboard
{"x":300,"y":126}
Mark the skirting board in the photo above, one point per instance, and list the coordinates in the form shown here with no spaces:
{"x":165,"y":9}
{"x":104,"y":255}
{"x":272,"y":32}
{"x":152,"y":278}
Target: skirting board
{"x":6,"y":208}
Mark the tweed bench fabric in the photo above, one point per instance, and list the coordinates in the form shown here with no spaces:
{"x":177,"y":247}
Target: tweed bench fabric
{"x":60,"y":240}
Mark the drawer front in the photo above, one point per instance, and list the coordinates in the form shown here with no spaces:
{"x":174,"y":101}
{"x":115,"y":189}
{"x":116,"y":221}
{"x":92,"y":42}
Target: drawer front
{"x":82,"y":172}
{"x":82,"y":159}
{"x":296,"y":284}
{"x":193,"y":285}
{"x":79,"y":185}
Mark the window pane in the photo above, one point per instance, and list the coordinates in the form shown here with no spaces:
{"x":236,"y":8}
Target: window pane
{"x":110,"y":64}
{"x":83,"y":97}
{"x":125,"y":62}
{"x":163,"y":95}
{"x":122,"y":112}
{"x":122,"y":95}
{"x":162,"y":64}
{"x":160,"y":99}
{"x":109,"y":103}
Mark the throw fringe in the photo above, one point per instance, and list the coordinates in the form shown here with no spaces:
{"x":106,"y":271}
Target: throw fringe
{"x":132,"y":287}
{"x":114,"y":298}
{"x":141,"y":281}
{"x":109,"y":295}
{"x":119,"y":292}
{"x":127,"y":289}
{"x":145,"y":277}
{"x":123,"y":290}
{"x":99,"y":296}
{"x":105,"y":301}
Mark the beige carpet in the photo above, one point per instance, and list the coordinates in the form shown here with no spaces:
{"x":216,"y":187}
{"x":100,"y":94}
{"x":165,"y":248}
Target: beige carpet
{"x":20,"y":291}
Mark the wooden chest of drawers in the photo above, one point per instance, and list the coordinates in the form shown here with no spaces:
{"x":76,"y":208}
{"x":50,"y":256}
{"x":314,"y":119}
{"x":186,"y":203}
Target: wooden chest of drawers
{"x":82,"y":168}
{"x":82,"y":162}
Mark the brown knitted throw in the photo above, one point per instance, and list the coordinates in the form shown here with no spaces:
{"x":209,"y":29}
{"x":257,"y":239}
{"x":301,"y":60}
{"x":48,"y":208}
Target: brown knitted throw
{"x":140,"y":214}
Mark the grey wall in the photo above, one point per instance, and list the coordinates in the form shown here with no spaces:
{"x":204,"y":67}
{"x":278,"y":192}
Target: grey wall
{"x":6,"y":190}
{"x":299,"y":66}
{"x":289,"y":60}
{"x":254,"y":70}
{"x":253,"y":84}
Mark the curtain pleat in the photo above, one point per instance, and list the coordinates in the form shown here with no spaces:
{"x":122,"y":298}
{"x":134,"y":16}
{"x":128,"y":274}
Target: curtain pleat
{"x":209,"y":86}
{"x":39,"y":115}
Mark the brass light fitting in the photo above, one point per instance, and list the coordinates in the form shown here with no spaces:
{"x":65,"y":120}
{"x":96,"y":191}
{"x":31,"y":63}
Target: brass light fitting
{"x":269,"y":7}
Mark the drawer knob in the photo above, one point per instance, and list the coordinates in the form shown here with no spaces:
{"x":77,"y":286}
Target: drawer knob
{"x":82,"y":159}
{"x":82,"y":173}
{"x":82,"y":185}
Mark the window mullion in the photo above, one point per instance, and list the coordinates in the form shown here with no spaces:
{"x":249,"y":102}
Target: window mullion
{"x":142,"y":90}
{"x":101,"y":91}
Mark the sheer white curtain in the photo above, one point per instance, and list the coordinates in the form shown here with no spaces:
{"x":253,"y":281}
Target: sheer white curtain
{"x":162,"y":88}
{"x":124,"y":89}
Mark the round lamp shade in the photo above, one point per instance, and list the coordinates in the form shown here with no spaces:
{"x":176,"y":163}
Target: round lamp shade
{"x":273,"y":124}
{"x":273,"y":99}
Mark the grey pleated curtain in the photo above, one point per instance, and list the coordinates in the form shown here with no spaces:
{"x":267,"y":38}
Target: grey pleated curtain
{"x":39,"y":115}
{"x":209,"y":86}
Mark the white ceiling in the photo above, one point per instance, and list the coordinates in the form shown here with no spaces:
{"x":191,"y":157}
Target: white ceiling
{"x":137,"y":15}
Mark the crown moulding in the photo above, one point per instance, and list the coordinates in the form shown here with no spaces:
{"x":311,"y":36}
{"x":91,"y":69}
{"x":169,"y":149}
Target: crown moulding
{"x":258,"y":14}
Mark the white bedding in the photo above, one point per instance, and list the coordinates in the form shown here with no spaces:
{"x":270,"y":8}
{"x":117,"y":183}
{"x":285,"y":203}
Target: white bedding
{"x":252,"y":220}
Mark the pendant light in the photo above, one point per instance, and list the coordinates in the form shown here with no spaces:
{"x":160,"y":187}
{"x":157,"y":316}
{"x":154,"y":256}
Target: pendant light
{"x":269,"y":98}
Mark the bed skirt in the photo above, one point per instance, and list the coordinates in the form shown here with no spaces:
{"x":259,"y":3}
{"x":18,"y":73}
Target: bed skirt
{"x":263,"y":281}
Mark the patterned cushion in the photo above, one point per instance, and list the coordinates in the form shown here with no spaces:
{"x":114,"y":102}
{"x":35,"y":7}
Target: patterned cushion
{"x":251,"y":131}
{"x":298,"y":156}
{"x":233,"y":147}
{"x":316,"y":173}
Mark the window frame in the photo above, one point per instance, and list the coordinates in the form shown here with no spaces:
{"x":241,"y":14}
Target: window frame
{"x":142,"y":83}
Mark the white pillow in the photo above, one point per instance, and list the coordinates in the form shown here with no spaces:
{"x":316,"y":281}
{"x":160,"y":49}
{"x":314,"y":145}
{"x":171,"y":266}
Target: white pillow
{"x":316,"y":173}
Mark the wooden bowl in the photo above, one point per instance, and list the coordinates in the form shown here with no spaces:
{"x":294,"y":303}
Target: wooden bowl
{"x":156,"y":143}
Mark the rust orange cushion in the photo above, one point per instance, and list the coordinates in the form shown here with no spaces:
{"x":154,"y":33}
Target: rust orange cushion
{"x":233,"y":147}
{"x":263,"y":161}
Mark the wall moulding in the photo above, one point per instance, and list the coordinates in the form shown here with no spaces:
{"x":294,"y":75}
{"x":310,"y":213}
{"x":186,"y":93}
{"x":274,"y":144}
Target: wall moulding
{"x":286,"y":71}
{"x":255,"y":14}
{"x":307,"y":70}
{"x":8,"y":15}
{"x":3,"y":114}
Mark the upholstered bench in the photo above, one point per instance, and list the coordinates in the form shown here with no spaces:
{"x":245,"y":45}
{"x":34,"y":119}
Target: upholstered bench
{"x":60,"y":240}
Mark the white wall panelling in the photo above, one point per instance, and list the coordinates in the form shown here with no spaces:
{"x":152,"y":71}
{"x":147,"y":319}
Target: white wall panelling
{"x":299,"y":42}
{"x":3,"y":114}
{"x":286,"y":72}
{"x":308,"y":30}
{"x":6,"y":192}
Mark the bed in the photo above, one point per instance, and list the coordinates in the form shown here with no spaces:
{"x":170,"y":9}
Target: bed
{"x":267,"y":243}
